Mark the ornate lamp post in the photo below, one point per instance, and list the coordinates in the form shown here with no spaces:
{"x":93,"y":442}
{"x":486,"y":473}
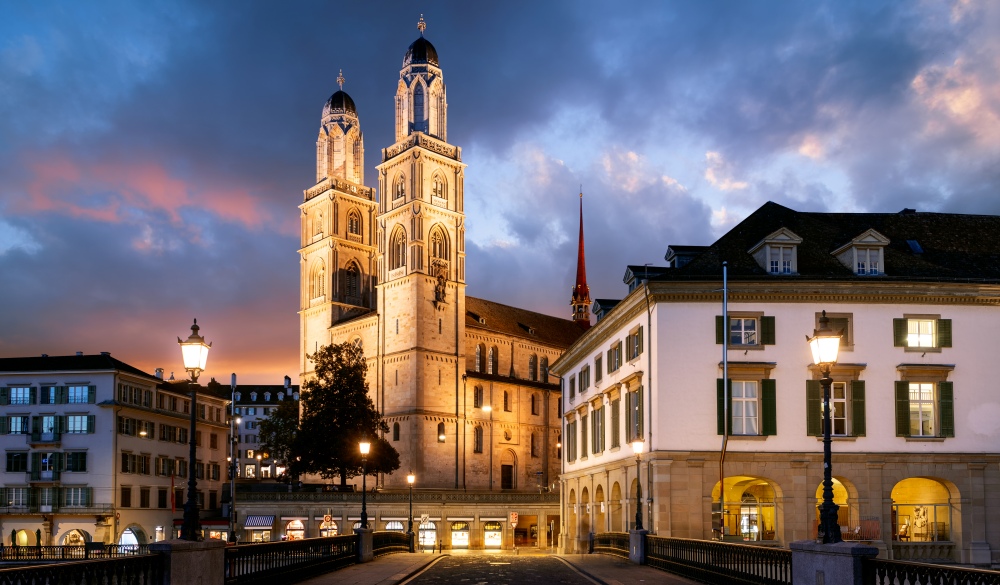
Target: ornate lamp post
{"x":637,"y":449}
{"x":825,"y":345}
{"x":234,"y":460}
{"x":409,"y":480}
{"x":365,"y":447}
{"x":194,"y":352}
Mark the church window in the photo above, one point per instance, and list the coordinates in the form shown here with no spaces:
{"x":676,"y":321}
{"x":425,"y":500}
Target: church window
{"x":353,"y":281}
{"x":318,"y":224}
{"x":395,"y":431}
{"x":440,"y":326}
{"x":419,"y":116}
{"x":480,"y":350}
{"x":317,"y":284}
{"x":439,"y":245}
{"x":545,"y":369}
{"x":354,"y":223}
{"x":477,"y":397}
{"x":397,"y":250}
{"x":533,"y":368}
{"x":477,"y":443}
{"x":534,"y":404}
{"x":438,"y":187}
{"x":506,"y":401}
{"x":534,"y":445}
{"x":491,"y":364}
{"x":399,"y":188}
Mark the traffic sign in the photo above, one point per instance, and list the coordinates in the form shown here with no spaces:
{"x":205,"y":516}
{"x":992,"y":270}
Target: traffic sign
{"x":513,"y":518}
{"x":327,"y":518}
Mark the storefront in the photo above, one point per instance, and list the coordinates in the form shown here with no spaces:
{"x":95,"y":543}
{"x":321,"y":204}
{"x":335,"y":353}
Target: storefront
{"x":328,"y":528}
{"x":259,"y":528}
{"x":427,"y":534}
{"x":492,"y":534}
{"x":460,"y":534}
{"x":295,"y":529}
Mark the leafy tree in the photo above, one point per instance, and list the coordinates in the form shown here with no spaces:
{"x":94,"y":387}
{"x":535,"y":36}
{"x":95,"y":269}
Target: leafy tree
{"x":337,"y":414}
{"x":278,"y":433}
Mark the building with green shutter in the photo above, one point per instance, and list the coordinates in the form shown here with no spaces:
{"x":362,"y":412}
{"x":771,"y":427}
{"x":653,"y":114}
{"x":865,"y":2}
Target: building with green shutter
{"x":916,"y":416}
{"x":95,"y":450}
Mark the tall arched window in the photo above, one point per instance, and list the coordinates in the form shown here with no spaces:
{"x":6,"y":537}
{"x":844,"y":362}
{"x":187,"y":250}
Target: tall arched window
{"x":395,"y":431}
{"x":506,"y":401}
{"x":533,"y":368}
{"x":477,"y":397}
{"x":399,"y":187}
{"x":439,"y":244}
{"x":534,"y":404}
{"x":545,"y":369}
{"x":317,"y":281}
{"x":479,"y":358}
{"x":397,"y":249}
{"x":354,"y":223}
{"x":491,"y":364}
{"x":477,"y":442}
{"x":419,"y":115}
{"x":352,"y":280}
{"x":318,"y":223}
{"x":438,"y":188}
{"x":534,"y":445}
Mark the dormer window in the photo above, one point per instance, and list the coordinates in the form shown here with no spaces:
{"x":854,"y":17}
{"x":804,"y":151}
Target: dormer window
{"x":864,"y":255}
{"x":253,"y":397}
{"x":778,"y":253}
{"x":267,"y":397}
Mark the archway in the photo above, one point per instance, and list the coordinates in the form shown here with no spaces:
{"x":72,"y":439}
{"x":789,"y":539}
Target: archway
{"x":922,"y":512}
{"x":427,"y":535}
{"x":328,"y":529}
{"x":132,"y":536}
{"x":22,"y":538}
{"x":75,"y":537}
{"x":845,"y":496}
{"x":750,"y":513}
{"x":633,"y":492}
{"x":295,"y":530}
{"x":585,"y":513}
{"x":508,"y":470}
{"x":571,"y":519}
{"x":616,"y":508}
{"x":600,"y":510}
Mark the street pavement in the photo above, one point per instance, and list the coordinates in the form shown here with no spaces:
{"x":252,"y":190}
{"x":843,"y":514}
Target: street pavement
{"x":497,"y":568}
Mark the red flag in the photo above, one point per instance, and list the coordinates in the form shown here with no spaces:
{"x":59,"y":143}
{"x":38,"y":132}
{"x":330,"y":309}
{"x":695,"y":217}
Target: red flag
{"x":173,"y":501}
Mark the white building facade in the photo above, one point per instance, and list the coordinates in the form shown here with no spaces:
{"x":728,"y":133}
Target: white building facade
{"x":915,"y":424}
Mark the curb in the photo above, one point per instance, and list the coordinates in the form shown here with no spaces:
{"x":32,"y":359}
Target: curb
{"x":406,"y":578}
{"x":582,"y":571}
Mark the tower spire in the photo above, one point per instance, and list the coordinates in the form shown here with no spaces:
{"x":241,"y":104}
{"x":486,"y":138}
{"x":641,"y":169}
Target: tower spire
{"x":581,"y":292}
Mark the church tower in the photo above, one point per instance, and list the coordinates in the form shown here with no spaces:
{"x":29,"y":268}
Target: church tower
{"x":580,"y":300}
{"x":421,"y":269}
{"x":337,"y":254}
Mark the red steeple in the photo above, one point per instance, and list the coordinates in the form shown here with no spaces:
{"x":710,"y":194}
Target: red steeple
{"x":581,"y":292}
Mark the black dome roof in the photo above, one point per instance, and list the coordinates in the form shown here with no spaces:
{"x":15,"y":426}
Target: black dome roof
{"x":340,"y":103}
{"x":421,"y":51}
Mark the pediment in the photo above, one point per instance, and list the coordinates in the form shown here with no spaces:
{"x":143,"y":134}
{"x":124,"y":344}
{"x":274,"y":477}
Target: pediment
{"x":867,"y":238}
{"x":781,"y":236}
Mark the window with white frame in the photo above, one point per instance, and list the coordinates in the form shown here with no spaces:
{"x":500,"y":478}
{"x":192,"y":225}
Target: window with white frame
{"x":633,"y":344}
{"x":76,"y":496}
{"x":77,"y":394}
{"x":922,"y":410}
{"x":868,"y":261}
{"x":744,"y":407}
{"x":18,"y":425}
{"x":922,"y":332}
{"x":781,"y":259}
{"x":743,"y":331}
{"x":19,"y":395}
{"x":615,"y":357}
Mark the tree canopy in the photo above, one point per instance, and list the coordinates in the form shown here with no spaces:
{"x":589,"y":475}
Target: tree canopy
{"x":337,"y":414}
{"x":278,"y":432}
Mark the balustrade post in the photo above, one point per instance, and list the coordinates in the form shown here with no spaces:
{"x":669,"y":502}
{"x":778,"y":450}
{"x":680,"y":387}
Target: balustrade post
{"x":830,"y":564}
{"x":192,"y":562}
{"x":637,"y":546}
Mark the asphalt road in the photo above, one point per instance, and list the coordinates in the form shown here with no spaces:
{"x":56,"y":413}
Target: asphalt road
{"x":499,"y":570}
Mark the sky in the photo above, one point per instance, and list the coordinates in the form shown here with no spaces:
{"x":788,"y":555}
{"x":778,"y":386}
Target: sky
{"x":153,"y":154}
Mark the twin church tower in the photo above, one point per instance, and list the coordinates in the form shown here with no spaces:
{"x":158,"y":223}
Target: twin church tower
{"x":463,"y":382}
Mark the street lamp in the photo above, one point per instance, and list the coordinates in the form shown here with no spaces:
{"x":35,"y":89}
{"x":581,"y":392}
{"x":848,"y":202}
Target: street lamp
{"x":365,"y":447}
{"x":194,"y":352}
{"x":410,"y":479}
{"x":234,"y":426}
{"x":637,"y":449}
{"x":825,"y":344}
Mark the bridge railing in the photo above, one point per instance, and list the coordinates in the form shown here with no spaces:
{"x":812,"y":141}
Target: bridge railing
{"x":885,"y":572}
{"x":70,"y":552}
{"x":292,"y":560}
{"x":720,"y":562}
{"x":612,"y":543}
{"x":137,"y":569}
{"x":388,"y":542}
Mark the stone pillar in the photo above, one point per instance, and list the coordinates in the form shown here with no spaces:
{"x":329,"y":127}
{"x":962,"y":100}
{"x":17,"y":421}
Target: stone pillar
{"x":637,"y":546}
{"x":365,"y":549}
{"x":192,"y":562}
{"x":412,"y":537}
{"x":828,"y":564}
{"x":978,"y":552}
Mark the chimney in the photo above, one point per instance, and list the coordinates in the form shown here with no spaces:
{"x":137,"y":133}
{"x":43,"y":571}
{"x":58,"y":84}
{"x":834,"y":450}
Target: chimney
{"x":159,"y":373}
{"x":106,"y":353}
{"x":45,"y":355}
{"x":171,"y":377}
{"x":288,"y":382}
{"x":79,"y":354}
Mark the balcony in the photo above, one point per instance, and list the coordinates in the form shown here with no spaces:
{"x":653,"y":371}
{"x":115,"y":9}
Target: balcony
{"x":39,"y":438}
{"x":44,"y":475}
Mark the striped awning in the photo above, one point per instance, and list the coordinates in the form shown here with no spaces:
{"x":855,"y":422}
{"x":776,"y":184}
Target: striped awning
{"x":259,"y":522}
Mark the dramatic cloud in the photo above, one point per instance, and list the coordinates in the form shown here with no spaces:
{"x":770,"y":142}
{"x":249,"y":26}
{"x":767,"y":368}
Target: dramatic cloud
{"x":153,"y":156}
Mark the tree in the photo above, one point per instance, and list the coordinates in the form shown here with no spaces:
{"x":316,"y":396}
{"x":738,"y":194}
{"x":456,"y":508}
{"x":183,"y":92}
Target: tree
{"x":337,"y":414}
{"x":278,"y":434}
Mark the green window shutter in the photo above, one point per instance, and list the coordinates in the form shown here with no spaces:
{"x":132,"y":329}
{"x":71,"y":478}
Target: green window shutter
{"x":638,"y":412}
{"x":34,"y":395}
{"x":88,"y":496}
{"x":639,"y":340}
{"x":36,"y":462}
{"x":59,"y":461}
{"x":858,"y":428}
{"x":44,"y":397}
{"x":720,"y":415}
{"x":36,"y":425}
{"x":946,"y":401}
{"x":814,"y":408}
{"x":769,"y":407}
{"x":903,"y":409}
{"x":628,"y":417}
{"x":62,"y":395}
{"x":899,"y":333}
{"x":90,"y":423}
{"x":767,"y":330}
{"x":4,"y":396}
{"x":91,"y":394}
{"x":944,"y":332}
{"x":59,"y":424}
{"x":4,"y":425}
{"x":609,"y":361}
{"x":720,"y":333}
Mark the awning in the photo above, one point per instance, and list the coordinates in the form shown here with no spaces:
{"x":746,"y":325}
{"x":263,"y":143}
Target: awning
{"x":259,"y":522}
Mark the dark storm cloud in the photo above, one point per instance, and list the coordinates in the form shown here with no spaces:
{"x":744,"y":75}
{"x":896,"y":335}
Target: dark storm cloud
{"x":156,"y":153}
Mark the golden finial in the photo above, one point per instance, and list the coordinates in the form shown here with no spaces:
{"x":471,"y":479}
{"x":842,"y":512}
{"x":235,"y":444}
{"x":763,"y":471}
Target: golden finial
{"x":421,"y":25}
{"x":340,"y":79}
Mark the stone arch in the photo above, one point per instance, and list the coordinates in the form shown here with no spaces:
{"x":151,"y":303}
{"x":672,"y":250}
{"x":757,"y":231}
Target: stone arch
{"x":586,"y":513}
{"x":571,"y":531}
{"x":508,"y":470}
{"x":615,"y":508}
{"x":399,"y":186}
{"x":439,"y":248}
{"x":352,"y":282}
{"x":397,"y":248}
{"x":74,"y":537}
{"x":439,"y":185}
{"x":133,"y":534}
{"x":317,"y":279}
{"x":752,"y":509}
{"x":924,"y":510}
{"x":23,"y":538}
{"x":845,"y":495}
{"x":600,"y":510}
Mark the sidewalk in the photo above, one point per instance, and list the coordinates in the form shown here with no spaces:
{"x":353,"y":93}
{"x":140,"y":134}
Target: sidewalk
{"x":387,"y":570}
{"x":609,"y":570}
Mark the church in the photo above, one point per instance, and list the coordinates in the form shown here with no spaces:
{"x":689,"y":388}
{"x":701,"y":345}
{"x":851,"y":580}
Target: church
{"x":463,"y":382}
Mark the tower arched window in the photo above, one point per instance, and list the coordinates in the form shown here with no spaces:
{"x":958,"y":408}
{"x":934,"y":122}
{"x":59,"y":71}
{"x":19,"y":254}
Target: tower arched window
{"x":438,"y":187}
{"x":477,"y":397}
{"x":352,"y":281}
{"x":318,"y":224}
{"x":399,"y":187}
{"x":534,"y":445}
{"x":439,"y":244}
{"x":397,"y":250}
{"x":533,"y":368}
{"x":491,"y":364}
{"x":479,"y":357}
{"x":419,"y":113}
{"x":317,"y":281}
{"x":506,"y":401}
{"x":354,"y":223}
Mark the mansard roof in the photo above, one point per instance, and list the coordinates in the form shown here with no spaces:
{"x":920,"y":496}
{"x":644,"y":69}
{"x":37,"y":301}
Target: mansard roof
{"x":507,"y":320}
{"x":70,"y":363}
{"x":921,"y":245}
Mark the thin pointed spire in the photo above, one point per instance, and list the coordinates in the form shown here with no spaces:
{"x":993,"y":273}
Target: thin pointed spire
{"x":581,"y":292}
{"x":340,"y":79}
{"x":421,"y":25}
